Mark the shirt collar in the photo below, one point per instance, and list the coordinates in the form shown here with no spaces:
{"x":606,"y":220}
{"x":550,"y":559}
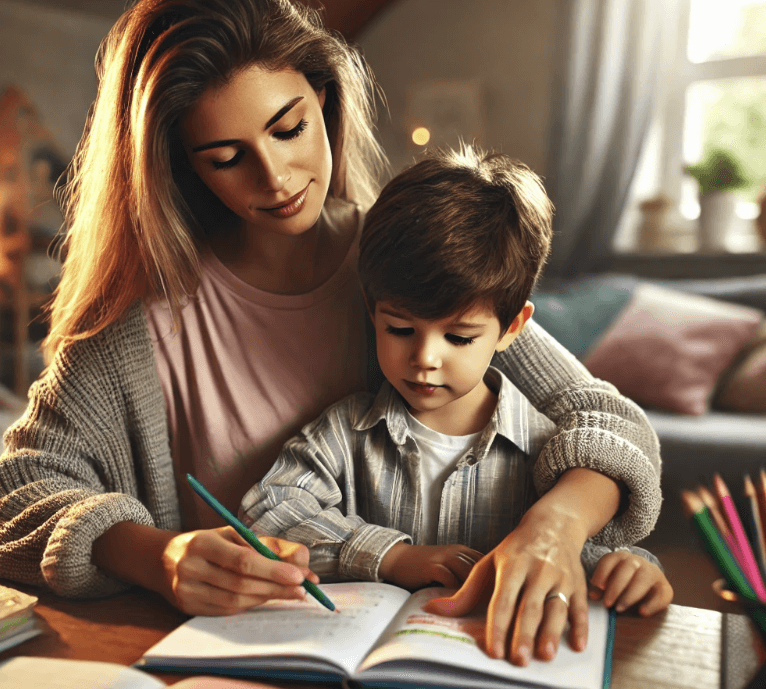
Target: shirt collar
{"x":514,"y":417}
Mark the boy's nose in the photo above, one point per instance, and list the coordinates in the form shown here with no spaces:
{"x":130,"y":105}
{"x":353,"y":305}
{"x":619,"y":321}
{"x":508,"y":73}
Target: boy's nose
{"x":425,"y":355}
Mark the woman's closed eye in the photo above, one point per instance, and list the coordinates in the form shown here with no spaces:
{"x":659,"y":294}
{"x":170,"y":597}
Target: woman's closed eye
{"x":231,"y":162}
{"x":296,"y":131}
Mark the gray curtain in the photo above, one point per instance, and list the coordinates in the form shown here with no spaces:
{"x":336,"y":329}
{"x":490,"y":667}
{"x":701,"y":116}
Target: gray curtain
{"x":612,"y":58}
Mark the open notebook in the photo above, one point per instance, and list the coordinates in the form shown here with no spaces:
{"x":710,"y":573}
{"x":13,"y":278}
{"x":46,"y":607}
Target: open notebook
{"x":380,"y":637}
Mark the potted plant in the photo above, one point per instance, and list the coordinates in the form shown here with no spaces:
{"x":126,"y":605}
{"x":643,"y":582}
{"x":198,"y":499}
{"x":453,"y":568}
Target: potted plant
{"x":719,"y":175}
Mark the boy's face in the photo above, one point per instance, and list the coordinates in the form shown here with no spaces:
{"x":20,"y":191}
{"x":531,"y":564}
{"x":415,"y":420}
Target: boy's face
{"x":438,"y":365}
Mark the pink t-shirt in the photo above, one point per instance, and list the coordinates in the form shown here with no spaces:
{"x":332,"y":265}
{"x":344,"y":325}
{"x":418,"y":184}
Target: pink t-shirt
{"x":247,"y":369}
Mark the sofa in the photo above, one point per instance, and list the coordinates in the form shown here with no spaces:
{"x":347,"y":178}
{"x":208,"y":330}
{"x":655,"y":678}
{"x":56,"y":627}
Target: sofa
{"x":694,"y":447}
{"x":687,"y":374}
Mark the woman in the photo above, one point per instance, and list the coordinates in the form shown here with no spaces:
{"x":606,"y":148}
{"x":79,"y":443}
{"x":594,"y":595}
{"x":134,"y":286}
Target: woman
{"x":209,"y":307}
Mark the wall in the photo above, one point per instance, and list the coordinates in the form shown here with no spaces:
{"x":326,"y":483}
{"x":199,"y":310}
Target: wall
{"x":50,"y":53}
{"x":508,"y":46}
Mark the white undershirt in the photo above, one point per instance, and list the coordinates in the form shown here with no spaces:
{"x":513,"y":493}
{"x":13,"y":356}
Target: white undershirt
{"x":439,"y":454}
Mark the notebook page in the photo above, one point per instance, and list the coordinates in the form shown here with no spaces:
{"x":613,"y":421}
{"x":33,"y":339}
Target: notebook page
{"x":456,"y":642}
{"x":291,"y":628}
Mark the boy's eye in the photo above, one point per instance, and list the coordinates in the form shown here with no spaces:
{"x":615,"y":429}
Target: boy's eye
{"x":231,"y":162}
{"x":458,"y":340}
{"x":297,"y":130}
{"x":399,"y":332}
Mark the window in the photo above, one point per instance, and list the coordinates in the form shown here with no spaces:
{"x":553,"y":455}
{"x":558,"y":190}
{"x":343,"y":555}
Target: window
{"x":715,"y":99}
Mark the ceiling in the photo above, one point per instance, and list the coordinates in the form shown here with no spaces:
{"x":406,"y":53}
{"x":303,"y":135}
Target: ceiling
{"x":347,"y":16}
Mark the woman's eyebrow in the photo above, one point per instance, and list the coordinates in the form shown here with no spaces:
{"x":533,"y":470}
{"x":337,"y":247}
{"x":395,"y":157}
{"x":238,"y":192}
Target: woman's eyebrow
{"x":283,"y":111}
{"x":215,"y":144}
{"x":278,"y":115}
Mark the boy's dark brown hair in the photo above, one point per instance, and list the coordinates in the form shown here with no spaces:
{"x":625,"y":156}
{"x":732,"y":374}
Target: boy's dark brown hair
{"x":456,"y":229}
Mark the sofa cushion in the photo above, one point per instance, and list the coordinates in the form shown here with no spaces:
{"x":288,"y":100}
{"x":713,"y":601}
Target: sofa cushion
{"x":743,"y":387}
{"x":661,"y":347}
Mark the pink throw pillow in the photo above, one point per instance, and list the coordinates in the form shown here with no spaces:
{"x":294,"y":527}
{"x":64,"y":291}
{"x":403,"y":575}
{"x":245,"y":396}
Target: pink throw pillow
{"x":667,"y":348}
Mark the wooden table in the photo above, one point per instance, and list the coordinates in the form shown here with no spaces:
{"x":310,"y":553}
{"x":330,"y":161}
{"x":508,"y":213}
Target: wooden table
{"x":680,"y":648}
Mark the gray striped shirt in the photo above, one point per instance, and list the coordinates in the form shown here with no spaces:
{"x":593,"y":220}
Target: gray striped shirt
{"x":348,"y":485}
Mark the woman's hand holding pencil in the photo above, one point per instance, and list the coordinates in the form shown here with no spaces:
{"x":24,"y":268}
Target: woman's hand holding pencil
{"x":215,"y":572}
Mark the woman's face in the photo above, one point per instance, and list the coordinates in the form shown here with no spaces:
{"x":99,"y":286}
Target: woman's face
{"x":259,"y":143}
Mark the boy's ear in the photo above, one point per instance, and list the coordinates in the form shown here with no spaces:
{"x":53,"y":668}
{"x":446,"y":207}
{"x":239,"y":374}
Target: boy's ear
{"x":516,"y":327}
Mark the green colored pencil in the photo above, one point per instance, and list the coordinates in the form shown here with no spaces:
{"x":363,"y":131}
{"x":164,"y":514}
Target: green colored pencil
{"x":725,"y":561}
{"x":715,"y":545}
{"x":251,"y":538}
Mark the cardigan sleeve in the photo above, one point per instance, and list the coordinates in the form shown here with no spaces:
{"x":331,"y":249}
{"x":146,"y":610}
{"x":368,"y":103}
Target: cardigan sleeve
{"x":597,"y":428}
{"x":90,"y":451}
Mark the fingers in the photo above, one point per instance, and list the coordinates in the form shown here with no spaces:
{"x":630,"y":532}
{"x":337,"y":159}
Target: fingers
{"x":467,"y":596}
{"x":555,"y":615}
{"x":201,"y":587}
{"x":500,"y":615}
{"x":528,"y":618}
{"x":444,"y":576}
{"x":648,"y":588}
{"x":627,"y":579}
{"x":463,"y":563}
{"x":604,"y":568}
{"x":294,"y":553}
{"x":233,"y":553}
{"x":197,"y":597}
{"x":660,"y":596}
{"x":578,"y":618}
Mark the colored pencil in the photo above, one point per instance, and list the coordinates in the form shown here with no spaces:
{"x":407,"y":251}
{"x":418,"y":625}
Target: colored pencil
{"x":759,"y":545}
{"x":760,"y":493}
{"x":749,"y":565}
{"x":716,"y":547}
{"x":723,"y":528}
{"x":251,"y":538}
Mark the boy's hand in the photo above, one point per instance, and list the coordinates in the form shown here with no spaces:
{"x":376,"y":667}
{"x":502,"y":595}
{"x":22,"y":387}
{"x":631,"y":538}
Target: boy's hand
{"x":623,"y":579}
{"x":413,"y":566}
{"x":540,"y":557}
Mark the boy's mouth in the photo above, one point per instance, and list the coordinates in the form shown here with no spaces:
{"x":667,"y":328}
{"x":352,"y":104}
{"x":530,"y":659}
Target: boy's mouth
{"x":422,"y":388}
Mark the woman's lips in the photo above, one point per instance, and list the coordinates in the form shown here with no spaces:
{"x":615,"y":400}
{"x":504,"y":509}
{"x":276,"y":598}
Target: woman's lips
{"x":290,"y":207}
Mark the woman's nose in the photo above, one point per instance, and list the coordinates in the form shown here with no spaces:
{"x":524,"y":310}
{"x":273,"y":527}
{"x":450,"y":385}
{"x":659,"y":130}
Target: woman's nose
{"x":274,"y":172}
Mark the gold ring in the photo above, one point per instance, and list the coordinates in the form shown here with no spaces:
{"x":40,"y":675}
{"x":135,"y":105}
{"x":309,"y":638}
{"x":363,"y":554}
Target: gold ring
{"x":557,"y":594}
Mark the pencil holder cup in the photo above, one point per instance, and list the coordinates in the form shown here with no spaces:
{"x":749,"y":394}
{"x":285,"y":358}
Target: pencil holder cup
{"x":722,"y":590}
{"x":756,"y":610}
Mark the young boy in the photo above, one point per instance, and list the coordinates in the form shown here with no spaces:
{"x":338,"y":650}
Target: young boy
{"x":413,"y":485}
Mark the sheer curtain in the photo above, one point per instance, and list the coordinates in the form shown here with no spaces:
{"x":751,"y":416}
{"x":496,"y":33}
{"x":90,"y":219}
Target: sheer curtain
{"x":612,"y":58}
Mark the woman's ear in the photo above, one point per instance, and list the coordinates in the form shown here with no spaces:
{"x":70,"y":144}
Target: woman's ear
{"x":322,"y":95}
{"x":515,"y":328}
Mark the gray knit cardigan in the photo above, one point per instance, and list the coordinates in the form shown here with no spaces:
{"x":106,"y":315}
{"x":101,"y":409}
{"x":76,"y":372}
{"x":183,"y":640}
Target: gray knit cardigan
{"x":92,"y":450}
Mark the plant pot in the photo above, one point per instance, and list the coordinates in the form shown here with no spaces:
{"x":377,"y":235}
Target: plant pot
{"x":716,"y":219}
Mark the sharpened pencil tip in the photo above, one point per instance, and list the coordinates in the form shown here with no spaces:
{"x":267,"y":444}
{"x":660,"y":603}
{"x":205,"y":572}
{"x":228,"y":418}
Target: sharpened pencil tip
{"x":749,"y":487}
{"x":692,"y":502}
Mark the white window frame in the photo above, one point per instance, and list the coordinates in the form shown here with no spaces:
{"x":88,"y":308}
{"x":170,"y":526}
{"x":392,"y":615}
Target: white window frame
{"x":684,"y":75}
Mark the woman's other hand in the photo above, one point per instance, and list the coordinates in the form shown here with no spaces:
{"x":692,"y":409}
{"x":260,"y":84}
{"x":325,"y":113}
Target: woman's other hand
{"x":523,"y":575}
